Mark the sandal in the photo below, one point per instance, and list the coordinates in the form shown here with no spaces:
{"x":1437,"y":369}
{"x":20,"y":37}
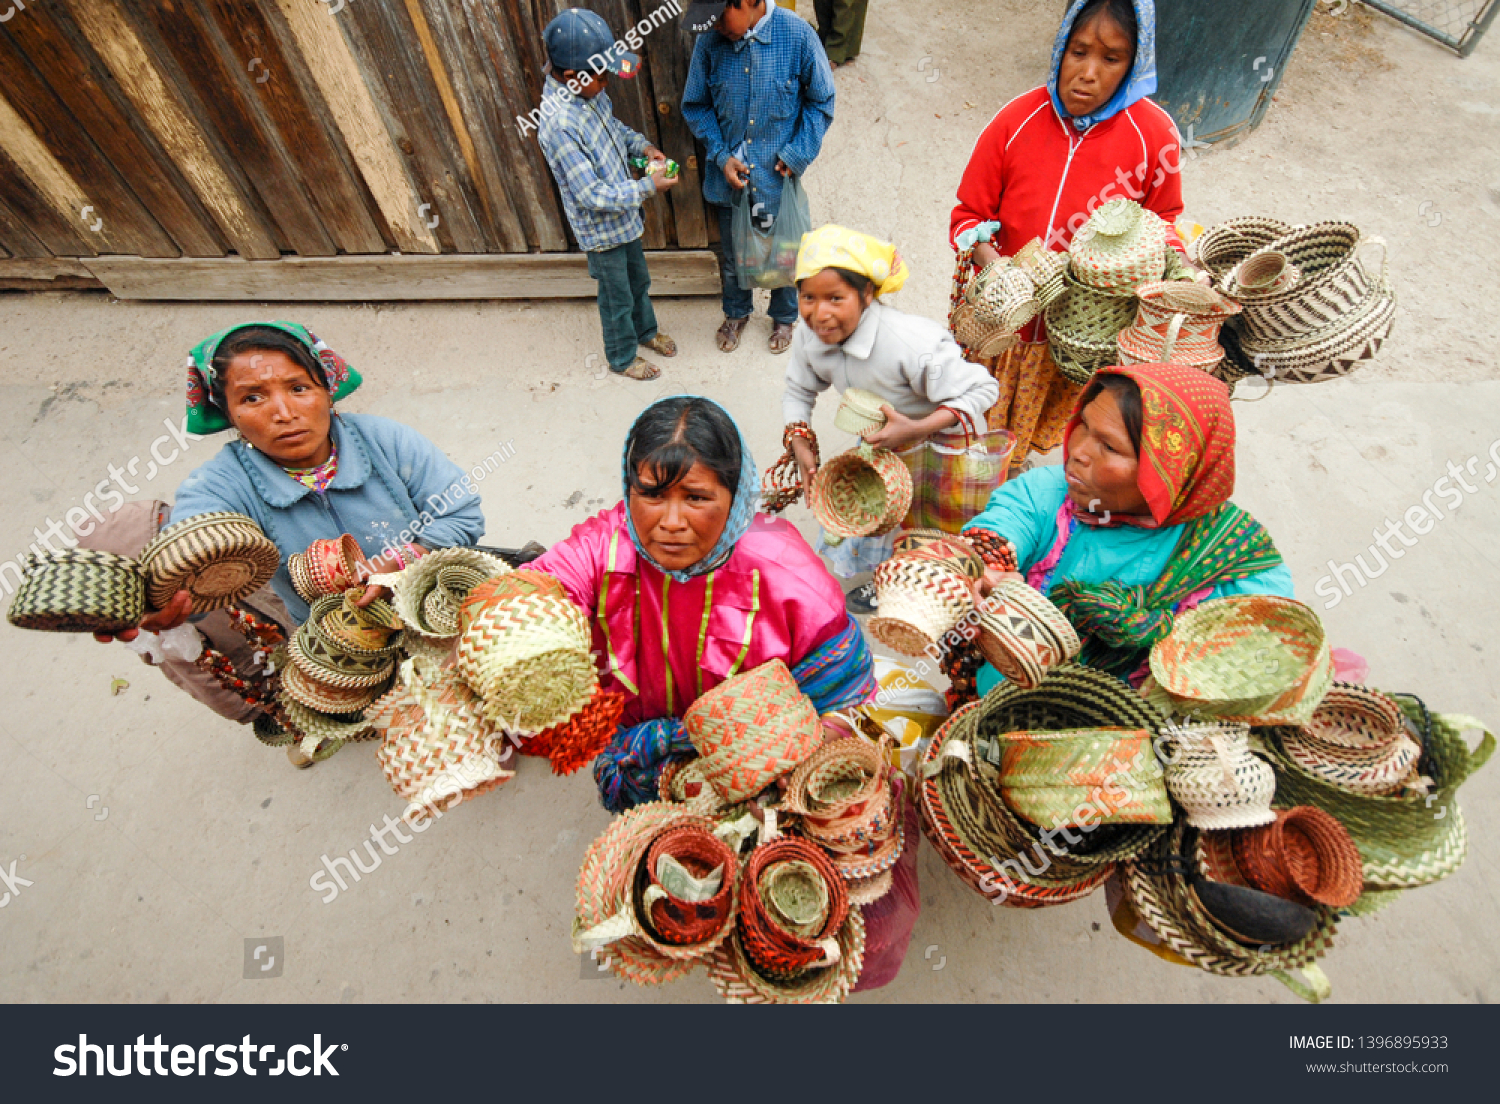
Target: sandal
{"x":662,"y":344}
{"x":781,"y":337}
{"x":728,"y":336}
{"x":639,"y":369}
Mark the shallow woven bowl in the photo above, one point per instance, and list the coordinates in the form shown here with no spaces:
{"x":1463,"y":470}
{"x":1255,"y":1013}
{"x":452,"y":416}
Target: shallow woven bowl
{"x":1356,"y":717}
{"x":79,"y":590}
{"x":859,"y":412}
{"x":1213,"y":776}
{"x":1238,"y":656}
{"x":1261,"y":275}
{"x":1375,"y":771}
{"x":920,"y":600}
{"x":752,"y":729}
{"x":1221,"y":247}
{"x":218,"y":558}
{"x":738,"y":982}
{"x":934,"y":544}
{"x":323,"y":698}
{"x":861,"y":493}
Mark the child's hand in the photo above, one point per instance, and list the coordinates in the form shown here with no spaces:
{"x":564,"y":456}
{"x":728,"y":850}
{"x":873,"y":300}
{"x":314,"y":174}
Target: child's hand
{"x":654,"y":154}
{"x":737,"y":173}
{"x":806,"y":464}
{"x":899,"y":431}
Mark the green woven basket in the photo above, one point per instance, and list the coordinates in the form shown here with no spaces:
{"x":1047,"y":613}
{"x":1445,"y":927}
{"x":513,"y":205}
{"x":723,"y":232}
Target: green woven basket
{"x":79,"y":590}
{"x":1083,"y":328}
{"x":1403,"y":841}
{"x":1047,"y":777}
{"x":1070,"y":696}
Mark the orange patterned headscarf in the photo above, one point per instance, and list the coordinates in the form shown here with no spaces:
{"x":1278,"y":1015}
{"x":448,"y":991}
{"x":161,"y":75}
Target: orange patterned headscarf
{"x":1187,"y":440}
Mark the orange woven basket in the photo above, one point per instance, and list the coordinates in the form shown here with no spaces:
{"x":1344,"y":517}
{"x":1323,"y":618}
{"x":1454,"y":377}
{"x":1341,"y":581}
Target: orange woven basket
{"x":752,"y":729}
{"x":1305,"y":856}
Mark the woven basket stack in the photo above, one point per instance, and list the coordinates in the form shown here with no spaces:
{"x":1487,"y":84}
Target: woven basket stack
{"x":1177,"y":322}
{"x":341,"y":660}
{"x":429,"y":596}
{"x":1311,"y":310}
{"x":524,"y":649}
{"x":766,"y":897}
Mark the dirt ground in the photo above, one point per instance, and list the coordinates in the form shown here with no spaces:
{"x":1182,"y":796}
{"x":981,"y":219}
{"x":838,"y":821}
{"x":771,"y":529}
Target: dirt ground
{"x":155,"y":839}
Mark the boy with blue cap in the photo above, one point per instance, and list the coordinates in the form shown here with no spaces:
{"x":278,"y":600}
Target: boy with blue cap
{"x":589,"y":152}
{"x":759,"y":96}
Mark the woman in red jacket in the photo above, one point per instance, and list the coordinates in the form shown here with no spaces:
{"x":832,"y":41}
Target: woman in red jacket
{"x":1046,"y":161}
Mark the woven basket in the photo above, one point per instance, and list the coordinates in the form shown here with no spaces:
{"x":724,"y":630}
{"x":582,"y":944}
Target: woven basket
{"x":608,"y":913}
{"x":1120,"y":247}
{"x":1177,"y":323}
{"x":1214,"y":777}
{"x":1330,"y":353}
{"x":738,"y":982}
{"x":998,"y":301}
{"x":1356,"y":717}
{"x":324,"y":698}
{"x":934,"y":544}
{"x":430,"y":593}
{"x":1220,"y":248}
{"x":860,"y":493}
{"x":577,"y":741}
{"x":1083,"y":328}
{"x":792,"y":904}
{"x":527,"y":656}
{"x":437,"y":749}
{"x":1043,"y":265}
{"x":332,"y":566}
{"x":752,"y":729}
{"x":1046,"y":777}
{"x":1244,"y":657}
{"x":1262,"y":275}
{"x":691,"y":923}
{"x":978,"y":843}
{"x":1023,"y":634}
{"x":79,"y":590}
{"x":843,"y":796}
{"x":1305,"y":856}
{"x":1168,"y":906}
{"x":1333,"y":284}
{"x":1408,"y":840}
{"x":1369,"y":770}
{"x":920,"y":600}
{"x":859,"y":412}
{"x":218,"y":558}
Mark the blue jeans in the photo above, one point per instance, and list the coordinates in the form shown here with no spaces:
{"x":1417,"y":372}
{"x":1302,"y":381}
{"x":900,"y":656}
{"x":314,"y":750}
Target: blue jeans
{"x":738,"y":301}
{"x":624,"y":303}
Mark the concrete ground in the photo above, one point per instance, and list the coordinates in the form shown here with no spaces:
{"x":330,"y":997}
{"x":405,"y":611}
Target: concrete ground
{"x":154,"y":839}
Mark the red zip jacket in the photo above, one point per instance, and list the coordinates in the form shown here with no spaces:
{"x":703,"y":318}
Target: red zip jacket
{"x":1035,"y":175}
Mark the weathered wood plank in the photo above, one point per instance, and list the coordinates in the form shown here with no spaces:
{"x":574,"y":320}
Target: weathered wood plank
{"x":360,"y":120}
{"x":224,"y":88}
{"x":668,"y":51}
{"x":16,"y":235}
{"x":508,"y":59}
{"x":635,"y":107}
{"x":474,"y":276}
{"x":126,"y":56}
{"x":44,"y":268}
{"x":390,"y":57}
{"x":54,"y":90}
{"x":170,"y":218}
{"x":454,"y":58}
{"x":263,"y":44}
{"x":41,"y":192}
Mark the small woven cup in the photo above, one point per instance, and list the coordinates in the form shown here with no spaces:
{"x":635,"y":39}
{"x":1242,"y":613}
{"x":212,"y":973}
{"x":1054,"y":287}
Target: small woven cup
{"x":1215,"y":778}
{"x":859,"y":412}
{"x":1305,"y":856}
{"x":1356,"y":717}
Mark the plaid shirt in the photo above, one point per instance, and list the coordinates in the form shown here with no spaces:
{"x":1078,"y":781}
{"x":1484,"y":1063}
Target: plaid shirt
{"x":588,"y":150}
{"x":772,"y":92}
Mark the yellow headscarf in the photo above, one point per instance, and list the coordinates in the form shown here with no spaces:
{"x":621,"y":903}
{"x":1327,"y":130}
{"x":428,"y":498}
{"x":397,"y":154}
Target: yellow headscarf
{"x":833,"y":246}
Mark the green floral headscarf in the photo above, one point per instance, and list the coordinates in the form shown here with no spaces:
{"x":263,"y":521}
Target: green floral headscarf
{"x":203,"y":413}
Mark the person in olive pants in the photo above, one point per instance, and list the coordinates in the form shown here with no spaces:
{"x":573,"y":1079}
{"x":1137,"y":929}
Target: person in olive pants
{"x":841,"y":27}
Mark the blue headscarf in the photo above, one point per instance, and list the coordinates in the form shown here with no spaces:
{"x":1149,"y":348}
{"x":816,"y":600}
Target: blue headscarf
{"x":1137,"y":85}
{"x":741,"y":512}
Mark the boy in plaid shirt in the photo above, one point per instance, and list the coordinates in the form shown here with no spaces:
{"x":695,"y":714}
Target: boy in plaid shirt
{"x":759,"y":96}
{"x":588,"y":151}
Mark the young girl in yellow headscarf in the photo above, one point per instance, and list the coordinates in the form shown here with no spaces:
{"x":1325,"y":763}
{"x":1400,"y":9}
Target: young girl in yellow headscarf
{"x":848,"y":338}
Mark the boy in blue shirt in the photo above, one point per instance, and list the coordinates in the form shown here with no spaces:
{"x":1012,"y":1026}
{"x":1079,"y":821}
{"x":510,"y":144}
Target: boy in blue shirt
{"x":589,"y":151}
{"x":759,"y":96}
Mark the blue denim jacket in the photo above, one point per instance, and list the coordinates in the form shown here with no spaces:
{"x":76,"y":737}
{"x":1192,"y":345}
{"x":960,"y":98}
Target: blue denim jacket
{"x":391,"y":480}
{"x":772,"y":92}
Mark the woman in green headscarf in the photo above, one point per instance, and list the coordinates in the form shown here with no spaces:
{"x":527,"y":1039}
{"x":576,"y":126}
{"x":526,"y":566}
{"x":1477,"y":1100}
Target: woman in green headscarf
{"x":303,"y":472}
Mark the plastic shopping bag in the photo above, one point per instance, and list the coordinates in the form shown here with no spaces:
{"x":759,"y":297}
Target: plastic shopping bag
{"x":952,"y":480}
{"x":767,"y":258}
